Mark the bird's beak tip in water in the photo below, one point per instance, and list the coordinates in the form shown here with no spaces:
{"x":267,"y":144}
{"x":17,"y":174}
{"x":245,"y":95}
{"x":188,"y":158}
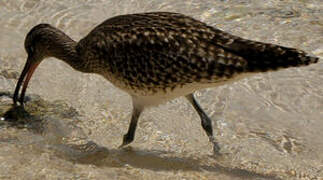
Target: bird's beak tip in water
{"x":25,"y":76}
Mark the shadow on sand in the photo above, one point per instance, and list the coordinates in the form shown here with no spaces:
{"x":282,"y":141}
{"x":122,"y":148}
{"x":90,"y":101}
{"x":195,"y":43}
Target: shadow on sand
{"x":91,"y":153}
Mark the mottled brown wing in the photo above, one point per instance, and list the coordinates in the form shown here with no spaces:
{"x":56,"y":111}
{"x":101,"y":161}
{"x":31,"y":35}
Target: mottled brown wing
{"x":181,"y":37}
{"x":156,"y":56}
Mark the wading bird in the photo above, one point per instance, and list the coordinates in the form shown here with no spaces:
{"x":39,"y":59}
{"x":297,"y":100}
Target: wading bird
{"x":156,"y":57}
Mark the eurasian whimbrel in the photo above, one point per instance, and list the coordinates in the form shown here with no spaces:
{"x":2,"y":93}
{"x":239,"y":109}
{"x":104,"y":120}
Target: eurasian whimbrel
{"x":156,"y":57}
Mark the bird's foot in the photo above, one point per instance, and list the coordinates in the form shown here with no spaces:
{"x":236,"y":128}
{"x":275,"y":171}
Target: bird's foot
{"x":216,"y":147}
{"x":126,"y":140}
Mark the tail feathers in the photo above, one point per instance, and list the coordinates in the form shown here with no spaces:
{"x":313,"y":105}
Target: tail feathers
{"x":262,"y":57}
{"x":275,"y":57}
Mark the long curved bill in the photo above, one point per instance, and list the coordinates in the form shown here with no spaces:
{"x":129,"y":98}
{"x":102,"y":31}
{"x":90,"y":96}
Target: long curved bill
{"x":25,"y":76}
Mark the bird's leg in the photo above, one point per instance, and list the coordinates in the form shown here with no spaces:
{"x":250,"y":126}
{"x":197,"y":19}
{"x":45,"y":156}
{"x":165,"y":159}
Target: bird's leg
{"x":205,"y":121}
{"x":129,"y":137}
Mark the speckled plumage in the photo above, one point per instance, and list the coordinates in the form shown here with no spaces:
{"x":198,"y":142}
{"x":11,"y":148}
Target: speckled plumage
{"x":158,"y":56}
{"x":154,"y":52}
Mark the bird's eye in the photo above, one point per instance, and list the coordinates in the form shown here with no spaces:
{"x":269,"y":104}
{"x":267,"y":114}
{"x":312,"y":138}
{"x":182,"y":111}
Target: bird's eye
{"x":31,"y":49}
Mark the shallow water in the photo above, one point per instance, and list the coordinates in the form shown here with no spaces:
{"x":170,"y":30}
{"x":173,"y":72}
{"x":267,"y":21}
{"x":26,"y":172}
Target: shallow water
{"x":269,"y":126}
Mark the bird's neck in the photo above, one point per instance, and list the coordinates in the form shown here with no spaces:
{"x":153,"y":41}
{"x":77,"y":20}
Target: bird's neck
{"x":64,"y":48}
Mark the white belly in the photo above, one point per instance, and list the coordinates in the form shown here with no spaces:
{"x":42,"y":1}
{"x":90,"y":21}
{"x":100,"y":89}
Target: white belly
{"x":147,"y":99}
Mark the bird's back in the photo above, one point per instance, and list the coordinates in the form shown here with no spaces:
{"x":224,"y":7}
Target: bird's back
{"x":160,"y":51}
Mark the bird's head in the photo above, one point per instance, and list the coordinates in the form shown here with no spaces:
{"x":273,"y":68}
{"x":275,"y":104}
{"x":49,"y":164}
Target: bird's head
{"x":37,"y":47}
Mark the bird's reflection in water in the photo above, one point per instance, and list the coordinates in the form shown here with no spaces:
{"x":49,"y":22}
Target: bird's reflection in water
{"x":155,"y":160}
